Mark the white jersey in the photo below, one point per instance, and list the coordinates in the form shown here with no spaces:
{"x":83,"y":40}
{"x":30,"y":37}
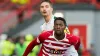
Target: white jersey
{"x":49,"y":26}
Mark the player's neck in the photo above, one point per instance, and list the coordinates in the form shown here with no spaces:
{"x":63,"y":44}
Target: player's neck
{"x":47,"y":18}
{"x":59,"y":37}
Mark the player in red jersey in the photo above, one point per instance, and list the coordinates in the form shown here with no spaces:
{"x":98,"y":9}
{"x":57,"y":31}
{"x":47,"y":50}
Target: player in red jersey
{"x":55,"y":42}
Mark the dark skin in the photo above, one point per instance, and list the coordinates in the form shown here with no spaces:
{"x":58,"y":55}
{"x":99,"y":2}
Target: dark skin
{"x":59,"y":27}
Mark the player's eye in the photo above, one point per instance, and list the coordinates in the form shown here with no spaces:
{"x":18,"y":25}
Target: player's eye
{"x":60,"y":24}
{"x":41,"y":6}
{"x":47,"y":6}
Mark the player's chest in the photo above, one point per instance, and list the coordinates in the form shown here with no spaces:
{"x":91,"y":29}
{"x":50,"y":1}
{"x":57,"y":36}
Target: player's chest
{"x":55,"y":44}
{"x":56,"y":47}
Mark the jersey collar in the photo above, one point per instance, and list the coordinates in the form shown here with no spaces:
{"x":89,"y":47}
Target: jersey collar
{"x":58,"y":40}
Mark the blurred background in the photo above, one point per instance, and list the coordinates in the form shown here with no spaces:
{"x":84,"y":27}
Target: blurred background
{"x":20,"y":22}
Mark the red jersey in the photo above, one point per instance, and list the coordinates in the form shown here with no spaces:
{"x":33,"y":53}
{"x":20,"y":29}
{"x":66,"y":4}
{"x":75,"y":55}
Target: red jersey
{"x":51,"y":46}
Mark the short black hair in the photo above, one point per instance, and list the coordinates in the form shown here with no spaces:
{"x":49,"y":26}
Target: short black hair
{"x":60,"y":18}
{"x":47,"y":1}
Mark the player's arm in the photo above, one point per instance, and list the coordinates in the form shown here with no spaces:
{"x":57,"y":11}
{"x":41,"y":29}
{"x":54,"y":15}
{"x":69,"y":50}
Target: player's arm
{"x":32,"y":44}
{"x":75,"y":40}
{"x":77,"y":43}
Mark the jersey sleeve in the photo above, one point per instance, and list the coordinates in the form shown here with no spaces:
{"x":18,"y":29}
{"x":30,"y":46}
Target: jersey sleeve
{"x":75,"y":40}
{"x":32,"y":44}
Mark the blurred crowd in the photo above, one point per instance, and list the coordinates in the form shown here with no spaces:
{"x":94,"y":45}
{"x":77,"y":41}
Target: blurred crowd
{"x":15,"y":46}
{"x":13,"y":4}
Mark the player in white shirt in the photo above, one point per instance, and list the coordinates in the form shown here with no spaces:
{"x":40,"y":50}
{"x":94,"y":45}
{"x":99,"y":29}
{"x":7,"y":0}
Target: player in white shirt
{"x":46,"y":10}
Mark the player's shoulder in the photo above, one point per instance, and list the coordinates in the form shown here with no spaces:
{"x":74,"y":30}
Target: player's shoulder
{"x":72,"y":36}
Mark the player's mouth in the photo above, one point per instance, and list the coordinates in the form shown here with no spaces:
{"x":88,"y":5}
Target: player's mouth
{"x":58,"y":30}
{"x":44,"y":12}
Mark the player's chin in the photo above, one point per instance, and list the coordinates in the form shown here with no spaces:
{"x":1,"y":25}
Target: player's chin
{"x":44,"y":14}
{"x":58,"y":32}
